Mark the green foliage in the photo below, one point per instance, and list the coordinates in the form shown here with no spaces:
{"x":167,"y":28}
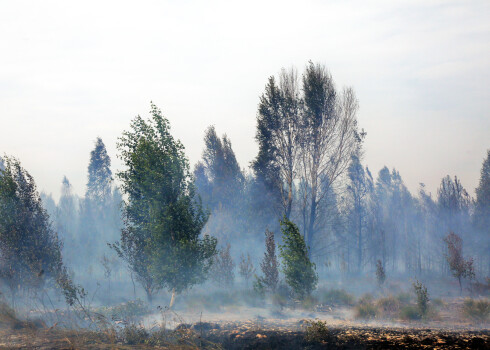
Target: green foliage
{"x":338,"y":297}
{"x":298,"y":270}
{"x":477,"y":310}
{"x":316,"y":331}
{"x":163,"y":217}
{"x":29,"y":247}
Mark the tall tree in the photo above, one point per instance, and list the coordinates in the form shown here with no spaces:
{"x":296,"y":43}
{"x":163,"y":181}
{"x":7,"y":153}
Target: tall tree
{"x":99,"y":185}
{"x":278,"y":137}
{"x":163,"y":217}
{"x":329,"y":136}
{"x":360,"y":185}
{"x":224,"y":179}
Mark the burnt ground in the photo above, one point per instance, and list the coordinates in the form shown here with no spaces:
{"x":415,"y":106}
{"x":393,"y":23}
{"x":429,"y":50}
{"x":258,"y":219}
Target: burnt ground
{"x":245,"y":336}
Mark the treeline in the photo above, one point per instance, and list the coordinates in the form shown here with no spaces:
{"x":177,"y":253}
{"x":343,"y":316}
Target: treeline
{"x":174,"y":223}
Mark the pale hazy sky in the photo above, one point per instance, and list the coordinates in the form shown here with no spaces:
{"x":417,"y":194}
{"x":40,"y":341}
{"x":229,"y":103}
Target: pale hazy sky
{"x":72,"y":71}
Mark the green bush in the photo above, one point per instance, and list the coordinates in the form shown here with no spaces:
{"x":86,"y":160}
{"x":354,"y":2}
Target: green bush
{"x":338,"y":297}
{"x":477,"y":310}
{"x":316,"y":331}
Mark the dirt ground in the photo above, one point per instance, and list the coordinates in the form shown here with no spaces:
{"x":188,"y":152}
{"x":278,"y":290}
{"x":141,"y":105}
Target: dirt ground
{"x":245,"y":336}
{"x":258,"y":328}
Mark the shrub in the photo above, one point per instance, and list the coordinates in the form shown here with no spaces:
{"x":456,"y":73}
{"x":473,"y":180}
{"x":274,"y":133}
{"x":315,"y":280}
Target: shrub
{"x":338,"y":297}
{"x":388,"y":306}
{"x":410,"y":312}
{"x":477,"y":310}
{"x":316,"y":331}
{"x":133,"y":334}
{"x":366,"y":310}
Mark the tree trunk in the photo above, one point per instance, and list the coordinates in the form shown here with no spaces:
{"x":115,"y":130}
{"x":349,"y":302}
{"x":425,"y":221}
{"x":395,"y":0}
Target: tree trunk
{"x":460,"y":286}
{"x":172,"y":299}
{"x":149,"y":296}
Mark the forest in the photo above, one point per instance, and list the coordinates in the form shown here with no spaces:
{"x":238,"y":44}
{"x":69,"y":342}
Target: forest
{"x":305,"y":229}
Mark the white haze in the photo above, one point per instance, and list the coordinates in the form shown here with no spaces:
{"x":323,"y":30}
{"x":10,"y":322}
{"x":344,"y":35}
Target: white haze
{"x":72,"y":71}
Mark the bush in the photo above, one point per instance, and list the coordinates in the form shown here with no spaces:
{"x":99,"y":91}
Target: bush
{"x":133,"y":334}
{"x":477,"y":310}
{"x":316,"y":331}
{"x":388,"y":306}
{"x":338,"y":297}
{"x":366,"y":310}
{"x":410,"y":312}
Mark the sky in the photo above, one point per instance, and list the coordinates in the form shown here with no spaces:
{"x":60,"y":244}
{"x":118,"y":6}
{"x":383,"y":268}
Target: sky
{"x":74,"y":71}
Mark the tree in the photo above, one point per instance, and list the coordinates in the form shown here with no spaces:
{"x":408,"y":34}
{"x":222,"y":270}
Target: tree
{"x":224,"y":179}
{"x":223,"y":267}
{"x":246,"y":267}
{"x":481,"y":216}
{"x":460,"y":268}
{"x":278,"y":135}
{"x":269,"y":264}
{"x":99,"y":210}
{"x":30,"y":251}
{"x":360,"y":185}
{"x":329,"y":136}
{"x":380,"y":273}
{"x":163,"y":217}
{"x":99,"y":185}
{"x":298,"y":269}
{"x":453,"y":202}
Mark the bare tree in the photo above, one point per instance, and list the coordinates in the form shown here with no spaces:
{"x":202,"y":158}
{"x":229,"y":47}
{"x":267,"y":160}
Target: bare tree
{"x":329,"y":137}
{"x":246,"y":267}
{"x":269,"y":264}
